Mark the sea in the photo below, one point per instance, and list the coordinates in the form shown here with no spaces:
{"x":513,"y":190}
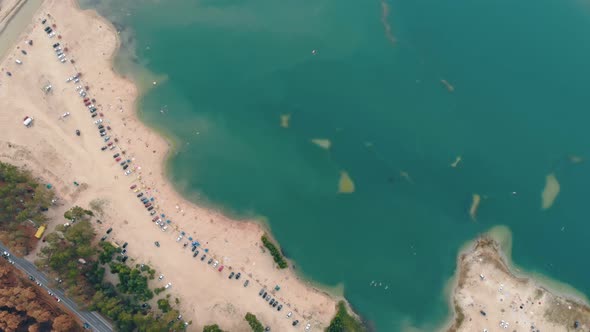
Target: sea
{"x":274,"y":105}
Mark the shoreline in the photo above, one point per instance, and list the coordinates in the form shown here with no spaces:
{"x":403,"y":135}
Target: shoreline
{"x":498,"y":240}
{"x":244,"y":229}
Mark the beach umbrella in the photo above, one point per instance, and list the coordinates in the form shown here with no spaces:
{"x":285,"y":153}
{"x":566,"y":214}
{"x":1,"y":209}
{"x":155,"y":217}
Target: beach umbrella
{"x":190,"y":238}
{"x":206,"y":250}
{"x":163,"y":215}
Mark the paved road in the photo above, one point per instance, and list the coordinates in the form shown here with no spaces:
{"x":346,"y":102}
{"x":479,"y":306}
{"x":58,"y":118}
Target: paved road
{"x":96,"y":321}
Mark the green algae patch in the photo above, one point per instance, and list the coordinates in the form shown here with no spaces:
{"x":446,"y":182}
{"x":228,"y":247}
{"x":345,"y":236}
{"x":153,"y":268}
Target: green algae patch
{"x":322,"y":143}
{"x":345,"y":185}
{"x":550,"y":191}
{"x":344,"y":322}
{"x":285,"y":118}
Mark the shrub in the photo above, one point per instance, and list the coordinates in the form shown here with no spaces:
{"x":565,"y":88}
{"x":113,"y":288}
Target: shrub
{"x":275,"y":252}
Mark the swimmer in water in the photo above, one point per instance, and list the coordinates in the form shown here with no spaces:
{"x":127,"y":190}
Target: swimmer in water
{"x":314,"y":52}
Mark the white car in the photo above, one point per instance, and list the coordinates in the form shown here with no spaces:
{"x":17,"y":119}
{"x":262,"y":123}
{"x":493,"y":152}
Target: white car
{"x":51,"y":35}
{"x":161,"y":277}
{"x":307,"y":327}
{"x":18,"y":62}
{"x":91,"y":106}
{"x":164,"y":228}
{"x":78,"y":88}
{"x":168,"y":285}
{"x":98,"y":121}
{"x":289,"y":314}
{"x":215,"y":264}
{"x":65,"y":114}
{"x":127,"y":172}
{"x":178,"y":239}
{"x":71,"y":78}
{"x":113,"y":147}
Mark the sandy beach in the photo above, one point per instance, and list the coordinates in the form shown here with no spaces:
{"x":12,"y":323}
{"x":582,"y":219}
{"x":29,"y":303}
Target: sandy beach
{"x":488,"y":295}
{"x":51,"y":149}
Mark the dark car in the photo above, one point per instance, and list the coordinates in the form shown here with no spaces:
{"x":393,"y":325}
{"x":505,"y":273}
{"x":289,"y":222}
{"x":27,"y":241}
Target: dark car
{"x":231,"y":275}
{"x":93,"y":114}
{"x":123,"y":163}
{"x":246,"y":283}
{"x":195,"y":254}
{"x":23,"y":52}
{"x":100,"y":126}
{"x":280,"y":307}
{"x":102,"y":131}
{"x":295,"y":322}
{"x":47,"y":29}
{"x":266,"y":329}
{"x":157,"y":244}
{"x":103,"y":238}
{"x":194,"y":248}
{"x":210,"y":261}
{"x":77,"y":132}
{"x":264,"y":295}
{"x":55,"y":45}
{"x":124,"y":259}
{"x":133,"y":187}
{"x":109,"y":230}
{"x":116,"y":155}
{"x":140,"y":194}
{"x":125,"y":166}
{"x":150,"y":208}
{"x":148,"y":204}
{"x":238,"y":275}
{"x":261,"y":292}
{"x":271,"y":301}
{"x":125,"y":245}
{"x":123,"y":252}
{"x":203,"y":257}
{"x":275,"y":304}
{"x":103,"y":148}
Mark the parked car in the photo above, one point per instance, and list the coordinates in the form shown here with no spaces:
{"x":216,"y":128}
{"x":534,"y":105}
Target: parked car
{"x":152,"y":213}
{"x":157,"y":244}
{"x":210,"y":261}
{"x":115,"y":155}
{"x":231,"y":275}
{"x":238,"y":275}
{"x":261,"y":292}
{"x":161,"y":277}
{"x":125,"y":245}
{"x":195,"y":254}
{"x":150,"y":208}
{"x":133,"y":186}
{"x":279,"y":307}
{"x":271,"y":302}
{"x":103,"y":148}
{"x":220,"y":268}
{"x":109,"y":230}
{"x":168,"y":285}
{"x":118,"y":159}
{"x":289,"y":314}
{"x":246,"y":283}
{"x":140,"y":194}
{"x":295,"y":322}
{"x":203,"y":257}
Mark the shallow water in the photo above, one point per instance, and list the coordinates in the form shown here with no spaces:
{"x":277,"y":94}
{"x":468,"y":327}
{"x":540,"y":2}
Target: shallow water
{"x":400,"y":89}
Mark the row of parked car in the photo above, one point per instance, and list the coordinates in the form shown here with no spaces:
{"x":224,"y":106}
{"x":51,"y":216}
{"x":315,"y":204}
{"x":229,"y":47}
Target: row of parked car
{"x":275,"y":304}
{"x":59,"y":52}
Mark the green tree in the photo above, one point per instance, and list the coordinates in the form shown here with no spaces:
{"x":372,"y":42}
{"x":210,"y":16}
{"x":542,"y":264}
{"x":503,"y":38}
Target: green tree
{"x":254,"y":323}
{"x":212,"y":328}
{"x":164,"y":305}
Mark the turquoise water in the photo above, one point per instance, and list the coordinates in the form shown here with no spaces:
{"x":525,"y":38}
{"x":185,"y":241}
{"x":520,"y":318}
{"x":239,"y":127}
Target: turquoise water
{"x":518,"y":111}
